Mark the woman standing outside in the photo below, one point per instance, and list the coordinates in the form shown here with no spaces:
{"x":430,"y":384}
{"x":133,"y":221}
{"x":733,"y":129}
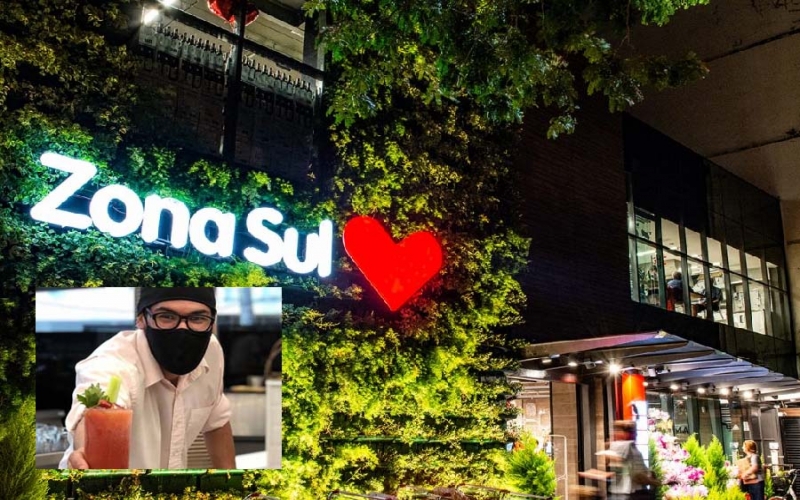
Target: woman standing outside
{"x":753,"y":476}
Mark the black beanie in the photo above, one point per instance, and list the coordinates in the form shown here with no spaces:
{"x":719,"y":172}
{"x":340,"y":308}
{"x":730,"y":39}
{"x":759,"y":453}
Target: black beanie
{"x":146,"y":297}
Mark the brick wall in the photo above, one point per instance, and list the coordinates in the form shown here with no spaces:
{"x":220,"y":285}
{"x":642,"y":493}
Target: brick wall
{"x":190,"y":112}
{"x":575,"y":211}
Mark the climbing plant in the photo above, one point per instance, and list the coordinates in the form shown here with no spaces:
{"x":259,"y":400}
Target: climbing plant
{"x":424,"y":100}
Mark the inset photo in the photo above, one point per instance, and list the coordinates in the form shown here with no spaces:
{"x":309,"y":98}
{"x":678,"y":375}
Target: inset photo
{"x":158,"y":378}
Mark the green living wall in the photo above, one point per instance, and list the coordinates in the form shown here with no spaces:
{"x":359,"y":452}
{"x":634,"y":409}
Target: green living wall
{"x":423,"y":102}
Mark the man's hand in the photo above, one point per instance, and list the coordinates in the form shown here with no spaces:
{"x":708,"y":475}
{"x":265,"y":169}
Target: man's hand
{"x":77,"y":460}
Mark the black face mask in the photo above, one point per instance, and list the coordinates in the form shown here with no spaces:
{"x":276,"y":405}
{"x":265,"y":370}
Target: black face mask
{"x":178,"y":351}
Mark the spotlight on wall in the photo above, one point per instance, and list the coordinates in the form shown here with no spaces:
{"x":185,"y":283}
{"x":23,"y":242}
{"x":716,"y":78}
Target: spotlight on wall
{"x":748,"y":394}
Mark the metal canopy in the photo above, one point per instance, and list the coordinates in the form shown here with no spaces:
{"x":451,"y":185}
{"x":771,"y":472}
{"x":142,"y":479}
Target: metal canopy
{"x":667,"y":361}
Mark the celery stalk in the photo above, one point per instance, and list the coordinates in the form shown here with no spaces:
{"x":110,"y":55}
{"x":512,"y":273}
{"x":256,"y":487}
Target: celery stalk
{"x":113,"y":388}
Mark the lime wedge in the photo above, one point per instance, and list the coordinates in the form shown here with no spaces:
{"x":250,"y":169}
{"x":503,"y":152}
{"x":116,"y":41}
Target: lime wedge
{"x":113,"y":388}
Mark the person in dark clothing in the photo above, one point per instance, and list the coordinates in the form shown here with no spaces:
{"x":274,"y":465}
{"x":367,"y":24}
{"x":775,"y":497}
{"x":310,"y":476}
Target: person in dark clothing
{"x":716,"y":297}
{"x":674,"y":291}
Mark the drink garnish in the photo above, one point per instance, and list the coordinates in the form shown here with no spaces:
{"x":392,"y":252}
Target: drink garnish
{"x":92,"y":396}
{"x":113,"y":388}
{"x":95,"y":396}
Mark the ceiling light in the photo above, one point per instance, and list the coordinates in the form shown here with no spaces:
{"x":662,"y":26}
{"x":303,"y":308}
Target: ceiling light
{"x":674,"y":386}
{"x":748,"y":394}
{"x":572,"y":363}
{"x":701,"y":390}
{"x":547,"y":361}
{"x":645,"y":383}
{"x":724,"y":391}
{"x":168,"y":3}
{"x":614,"y":368}
{"x":150,"y":15}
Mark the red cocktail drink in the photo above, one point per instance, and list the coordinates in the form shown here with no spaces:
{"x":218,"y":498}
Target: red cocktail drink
{"x":108,"y":437}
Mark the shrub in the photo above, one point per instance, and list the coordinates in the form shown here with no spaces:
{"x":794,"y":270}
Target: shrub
{"x":716,"y":477}
{"x":530,"y":470}
{"x":654,"y":460}
{"x":697,"y":456}
{"x":769,"y":489}
{"x":18,"y":473}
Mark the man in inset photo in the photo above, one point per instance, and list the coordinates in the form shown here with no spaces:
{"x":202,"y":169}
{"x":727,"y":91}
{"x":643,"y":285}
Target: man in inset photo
{"x":162,"y":381}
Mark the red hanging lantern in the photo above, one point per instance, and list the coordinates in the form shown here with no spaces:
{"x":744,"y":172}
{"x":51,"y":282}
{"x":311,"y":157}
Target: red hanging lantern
{"x":227,"y":10}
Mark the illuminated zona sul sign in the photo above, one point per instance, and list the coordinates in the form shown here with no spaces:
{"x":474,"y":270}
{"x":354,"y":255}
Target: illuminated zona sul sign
{"x":185,"y":227}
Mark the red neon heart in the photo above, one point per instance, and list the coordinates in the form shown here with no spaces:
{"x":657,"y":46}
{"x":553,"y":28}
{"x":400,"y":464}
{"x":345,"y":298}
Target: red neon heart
{"x":395,"y":270}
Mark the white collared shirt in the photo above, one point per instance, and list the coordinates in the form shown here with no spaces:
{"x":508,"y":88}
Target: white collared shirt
{"x":166,"y":418}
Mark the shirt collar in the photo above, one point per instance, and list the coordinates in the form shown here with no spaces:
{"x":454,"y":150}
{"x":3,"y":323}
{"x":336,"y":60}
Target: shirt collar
{"x":152,"y":370}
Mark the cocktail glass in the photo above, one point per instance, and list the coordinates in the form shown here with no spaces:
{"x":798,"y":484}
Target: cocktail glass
{"x":108,"y":437}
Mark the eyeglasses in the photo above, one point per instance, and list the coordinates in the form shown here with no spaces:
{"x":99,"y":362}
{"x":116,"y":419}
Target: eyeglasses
{"x":199,"y":323}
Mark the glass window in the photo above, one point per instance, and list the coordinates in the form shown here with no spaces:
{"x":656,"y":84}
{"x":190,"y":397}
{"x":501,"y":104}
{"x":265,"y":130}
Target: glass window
{"x":673,"y":273}
{"x":647,"y":273}
{"x":714,"y":252}
{"x":779,"y":315}
{"x":734,"y":262}
{"x":720,"y":307}
{"x":737,"y":301}
{"x":645,"y":225}
{"x":774,"y":258}
{"x":670,"y":235}
{"x":631,"y":217}
{"x":697,"y":285}
{"x":754,"y":267}
{"x":758,"y":307}
{"x":694,"y":246}
{"x":670,"y":265}
{"x":633,"y":277}
{"x":733,"y":232}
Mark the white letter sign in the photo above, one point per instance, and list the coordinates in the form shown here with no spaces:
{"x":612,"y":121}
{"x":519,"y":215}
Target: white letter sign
{"x":185,"y":227}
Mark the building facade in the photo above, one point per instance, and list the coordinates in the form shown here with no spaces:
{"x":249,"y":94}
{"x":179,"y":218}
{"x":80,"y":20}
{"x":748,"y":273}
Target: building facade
{"x":627,"y":227}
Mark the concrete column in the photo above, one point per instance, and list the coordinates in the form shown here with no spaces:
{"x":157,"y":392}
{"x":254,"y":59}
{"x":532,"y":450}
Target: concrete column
{"x":565,"y":423}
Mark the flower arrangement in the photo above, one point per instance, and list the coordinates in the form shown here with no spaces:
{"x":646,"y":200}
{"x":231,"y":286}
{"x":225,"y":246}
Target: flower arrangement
{"x":733,"y":475}
{"x":683,"y":481}
{"x":658,"y":420}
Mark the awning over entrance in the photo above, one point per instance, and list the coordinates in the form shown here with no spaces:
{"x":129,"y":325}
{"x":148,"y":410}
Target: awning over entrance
{"x":667,"y":361}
